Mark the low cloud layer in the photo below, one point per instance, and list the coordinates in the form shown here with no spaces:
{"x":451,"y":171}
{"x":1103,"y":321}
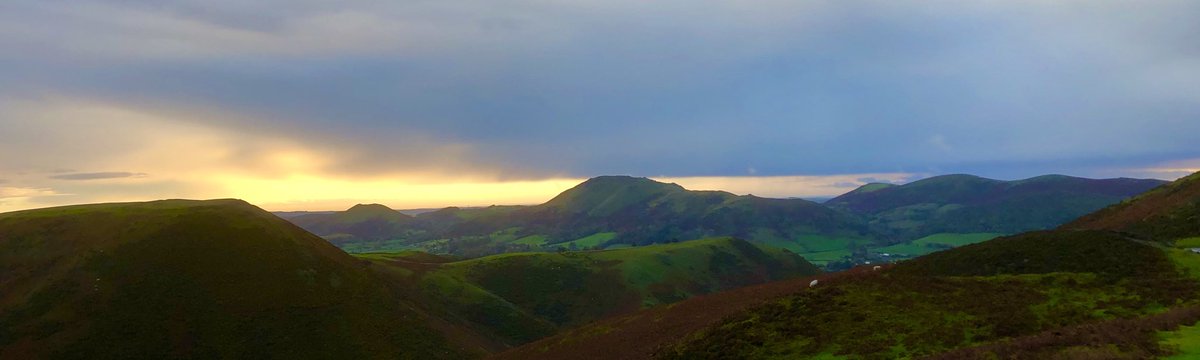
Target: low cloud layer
{"x":206,"y":95}
{"x":98,"y":176}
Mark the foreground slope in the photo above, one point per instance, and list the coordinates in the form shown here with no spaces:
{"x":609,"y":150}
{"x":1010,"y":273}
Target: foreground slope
{"x":203,"y":279}
{"x":974,"y":295}
{"x":516,"y":298}
{"x":1040,"y":295}
{"x":1166,"y":213}
{"x":972,"y":204}
{"x":978,"y":294}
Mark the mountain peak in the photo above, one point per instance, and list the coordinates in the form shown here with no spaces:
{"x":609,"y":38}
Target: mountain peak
{"x":954,"y":178}
{"x":624,"y":180}
{"x":871,"y":187}
{"x":607,"y":194}
{"x":370,"y":208}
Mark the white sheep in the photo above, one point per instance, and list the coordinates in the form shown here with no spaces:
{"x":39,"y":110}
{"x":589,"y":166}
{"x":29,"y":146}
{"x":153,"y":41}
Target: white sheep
{"x":876,"y":268}
{"x":813,"y":283}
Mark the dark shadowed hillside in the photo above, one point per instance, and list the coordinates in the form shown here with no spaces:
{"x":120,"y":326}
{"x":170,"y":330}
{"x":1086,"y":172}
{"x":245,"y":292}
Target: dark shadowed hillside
{"x":370,"y":222}
{"x":193,"y":279}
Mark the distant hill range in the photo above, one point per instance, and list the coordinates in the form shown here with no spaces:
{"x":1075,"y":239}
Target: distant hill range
{"x":603,"y":212}
{"x":616,"y":211}
{"x":1119,"y":283}
{"x":971,"y":204}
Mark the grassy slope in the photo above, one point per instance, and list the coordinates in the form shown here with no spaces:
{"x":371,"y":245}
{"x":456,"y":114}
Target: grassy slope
{"x":192,"y":279}
{"x":935,"y":242}
{"x":1185,"y":342}
{"x":517,"y":298}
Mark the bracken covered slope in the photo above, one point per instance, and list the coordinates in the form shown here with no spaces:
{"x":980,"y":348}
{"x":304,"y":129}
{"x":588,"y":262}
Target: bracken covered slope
{"x":1166,"y":213}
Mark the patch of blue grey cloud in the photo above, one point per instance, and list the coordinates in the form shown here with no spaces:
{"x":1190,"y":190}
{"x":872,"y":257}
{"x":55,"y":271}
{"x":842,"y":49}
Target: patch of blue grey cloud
{"x":1000,"y":89}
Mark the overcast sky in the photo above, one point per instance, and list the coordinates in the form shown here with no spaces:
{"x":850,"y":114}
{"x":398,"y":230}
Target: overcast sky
{"x":312,"y":104}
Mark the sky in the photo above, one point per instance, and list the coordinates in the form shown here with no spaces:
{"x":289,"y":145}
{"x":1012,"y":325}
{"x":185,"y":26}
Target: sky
{"x":319,"y":105}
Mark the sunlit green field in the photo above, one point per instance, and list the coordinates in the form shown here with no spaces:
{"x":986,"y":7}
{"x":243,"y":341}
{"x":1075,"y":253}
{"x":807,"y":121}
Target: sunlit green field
{"x":936,"y":242}
{"x":1186,"y":340}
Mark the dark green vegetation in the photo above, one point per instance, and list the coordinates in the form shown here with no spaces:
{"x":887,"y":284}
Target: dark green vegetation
{"x":1059,"y":294}
{"x":970,"y":204}
{"x":1105,"y":254}
{"x":617,"y":211}
{"x":512,"y":299}
{"x":193,"y":279}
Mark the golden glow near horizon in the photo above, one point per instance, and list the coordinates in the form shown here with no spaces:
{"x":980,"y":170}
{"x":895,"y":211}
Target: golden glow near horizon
{"x":786,"y":186}
{"x":113,"y":153}
{"x":315,"y":193}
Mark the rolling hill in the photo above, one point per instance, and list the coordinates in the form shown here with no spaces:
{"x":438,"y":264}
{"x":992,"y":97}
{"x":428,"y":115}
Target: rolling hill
{"x":363,"y":222}
{"x":194,"y":279}
{"x":515,"y":298}
{"x":1068,"y":293}
{"x":964,"y":204}
{"x":902,"y":221}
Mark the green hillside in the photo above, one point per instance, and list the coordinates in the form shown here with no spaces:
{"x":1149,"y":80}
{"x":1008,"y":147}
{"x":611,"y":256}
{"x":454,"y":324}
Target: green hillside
{"x":1062,"y":294}
{"x":193,"y":279}
{"x":1009,"y":295}
{"x":931,"y":244}
{"x":517,"y":298}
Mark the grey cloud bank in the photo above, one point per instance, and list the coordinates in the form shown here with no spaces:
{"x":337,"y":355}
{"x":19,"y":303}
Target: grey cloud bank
{"x":530,"y":89}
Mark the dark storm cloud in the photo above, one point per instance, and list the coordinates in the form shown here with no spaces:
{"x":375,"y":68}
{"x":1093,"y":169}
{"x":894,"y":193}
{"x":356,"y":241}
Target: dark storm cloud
{"x":98,"y":176}
{"x":1001,"y":89}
